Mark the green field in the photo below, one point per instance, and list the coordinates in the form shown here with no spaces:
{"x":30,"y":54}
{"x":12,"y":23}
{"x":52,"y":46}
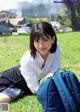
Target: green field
{"x":12,"y":50}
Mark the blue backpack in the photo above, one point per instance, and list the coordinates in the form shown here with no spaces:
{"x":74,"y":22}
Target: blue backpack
{"x":60,"y":93}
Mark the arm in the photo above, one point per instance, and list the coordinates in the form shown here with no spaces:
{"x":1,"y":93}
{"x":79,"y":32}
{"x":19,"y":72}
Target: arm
{"x":29,"y":73}
{"x":35,"y":91}
{"x":30,"y":77}
{"x":55,"y":64}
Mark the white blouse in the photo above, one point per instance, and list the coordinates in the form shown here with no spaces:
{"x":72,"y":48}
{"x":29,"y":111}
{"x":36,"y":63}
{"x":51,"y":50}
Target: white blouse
{"x":32,"y":70}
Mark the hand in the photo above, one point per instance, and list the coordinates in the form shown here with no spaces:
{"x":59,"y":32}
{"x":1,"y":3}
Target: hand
{"x":35,"y":91}
{"x":49,"y":75}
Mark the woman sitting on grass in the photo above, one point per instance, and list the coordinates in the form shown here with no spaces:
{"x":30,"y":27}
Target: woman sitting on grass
{"x":41,"y":59}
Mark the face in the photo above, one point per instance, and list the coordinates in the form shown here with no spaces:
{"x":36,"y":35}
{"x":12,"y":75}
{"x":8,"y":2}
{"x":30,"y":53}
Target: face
{"x":43,"y":46}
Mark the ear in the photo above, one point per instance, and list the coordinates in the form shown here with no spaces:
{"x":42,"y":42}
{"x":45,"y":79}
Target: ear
{"x":53,"y":39}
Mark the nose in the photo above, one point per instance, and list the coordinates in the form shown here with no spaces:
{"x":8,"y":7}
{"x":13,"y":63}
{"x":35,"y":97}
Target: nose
{"x":41,"y":43}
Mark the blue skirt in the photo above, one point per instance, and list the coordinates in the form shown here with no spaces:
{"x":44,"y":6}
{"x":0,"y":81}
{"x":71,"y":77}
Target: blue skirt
{"x":11,"y":92}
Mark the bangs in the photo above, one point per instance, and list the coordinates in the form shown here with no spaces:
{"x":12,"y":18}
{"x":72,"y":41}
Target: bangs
{"x":40,"y":35}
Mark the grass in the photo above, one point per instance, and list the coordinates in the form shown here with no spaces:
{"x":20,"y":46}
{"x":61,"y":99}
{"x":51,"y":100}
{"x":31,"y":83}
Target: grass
{"x":12,"y":50}
{"x":70,"y":51}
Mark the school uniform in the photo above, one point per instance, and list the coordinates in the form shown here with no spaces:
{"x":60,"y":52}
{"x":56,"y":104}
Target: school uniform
{"x":24,"y":79}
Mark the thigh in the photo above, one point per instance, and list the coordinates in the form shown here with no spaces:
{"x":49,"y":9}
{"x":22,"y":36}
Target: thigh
{"x":8,"y":76}
{"x":10,"y":71}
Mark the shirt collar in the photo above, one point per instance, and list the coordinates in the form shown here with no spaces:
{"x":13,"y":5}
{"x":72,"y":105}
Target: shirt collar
{"x":39,"y":60}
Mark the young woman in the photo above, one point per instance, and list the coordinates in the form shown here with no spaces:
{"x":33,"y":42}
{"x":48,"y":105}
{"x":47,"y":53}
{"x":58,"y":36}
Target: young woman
{"x":41,"y":59}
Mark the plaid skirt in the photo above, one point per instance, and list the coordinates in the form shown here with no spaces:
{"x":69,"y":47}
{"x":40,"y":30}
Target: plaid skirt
{"x":13,"y":84}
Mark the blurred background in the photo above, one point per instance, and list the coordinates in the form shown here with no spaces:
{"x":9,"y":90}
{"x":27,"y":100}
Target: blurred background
{"x":18,"y":16}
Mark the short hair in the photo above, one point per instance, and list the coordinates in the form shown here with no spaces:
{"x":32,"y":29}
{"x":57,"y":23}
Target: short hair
{"x":39,"y":30}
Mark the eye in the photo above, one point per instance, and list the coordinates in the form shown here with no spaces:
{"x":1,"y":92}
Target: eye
{"x":45,"y":39}
{"x":36,"y":40}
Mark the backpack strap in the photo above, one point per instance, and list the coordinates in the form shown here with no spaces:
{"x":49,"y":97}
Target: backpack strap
{"x":64,"y":93}
{"x":74,"y":87}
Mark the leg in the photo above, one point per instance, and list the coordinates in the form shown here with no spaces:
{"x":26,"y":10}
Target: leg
{"x":4,"y":98}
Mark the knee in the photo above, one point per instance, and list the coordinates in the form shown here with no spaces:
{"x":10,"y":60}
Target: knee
{"x":1,"y":100}
{"x":4,"y":98}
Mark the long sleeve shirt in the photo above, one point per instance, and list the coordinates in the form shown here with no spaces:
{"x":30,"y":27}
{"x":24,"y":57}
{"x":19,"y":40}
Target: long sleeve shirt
{"x":32,"y":70}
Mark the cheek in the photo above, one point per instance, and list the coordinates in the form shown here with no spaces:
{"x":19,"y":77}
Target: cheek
{"x":50,"y":43}
{"x":35,"y":45}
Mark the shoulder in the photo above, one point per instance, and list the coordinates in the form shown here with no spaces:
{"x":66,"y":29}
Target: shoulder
{"x":27,"y":55}
{"x":58,"y":48}
{"x":57,"y":52}
{"x":25,"y":58}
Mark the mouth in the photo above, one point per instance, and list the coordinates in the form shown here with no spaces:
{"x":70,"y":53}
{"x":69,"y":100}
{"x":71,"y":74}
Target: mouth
{"x":42,"y":49}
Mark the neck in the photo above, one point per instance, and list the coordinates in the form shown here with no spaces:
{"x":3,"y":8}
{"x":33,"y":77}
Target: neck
{"x":45,"y":56}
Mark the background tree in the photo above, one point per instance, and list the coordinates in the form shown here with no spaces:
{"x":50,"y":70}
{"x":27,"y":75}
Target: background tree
{"x":77,"y":8}
{"x":31,"y":21}
{"x":64,"y":19}
{"x":72,"y":7}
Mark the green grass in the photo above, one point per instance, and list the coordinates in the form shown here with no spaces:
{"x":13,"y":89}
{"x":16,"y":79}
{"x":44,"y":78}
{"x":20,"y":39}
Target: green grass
{"x":70,"y":51}
{"x":12,"y":50}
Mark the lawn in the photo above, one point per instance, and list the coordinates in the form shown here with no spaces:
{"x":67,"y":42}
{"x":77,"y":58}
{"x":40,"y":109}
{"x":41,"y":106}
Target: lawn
{"x":12,"y":50}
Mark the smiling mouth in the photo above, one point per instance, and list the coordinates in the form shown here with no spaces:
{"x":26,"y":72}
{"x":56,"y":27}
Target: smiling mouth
{"x":43,"y":49}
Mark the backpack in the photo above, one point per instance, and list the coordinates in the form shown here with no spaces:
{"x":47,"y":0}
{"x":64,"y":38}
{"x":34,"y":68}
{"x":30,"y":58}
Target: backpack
{"x":60,"y":93}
